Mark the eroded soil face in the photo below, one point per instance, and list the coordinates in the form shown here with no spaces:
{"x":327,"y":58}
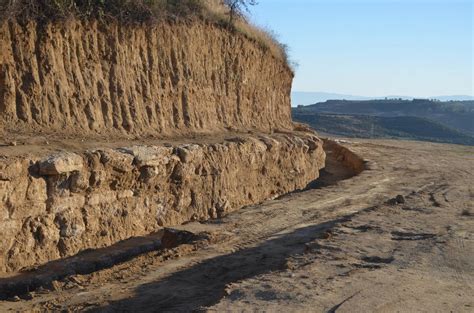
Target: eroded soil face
{"x":345,"y":246}
{"x":117,"y":80}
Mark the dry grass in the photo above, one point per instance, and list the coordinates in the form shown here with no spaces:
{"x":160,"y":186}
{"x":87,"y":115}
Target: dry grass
{"x":265,"y":38}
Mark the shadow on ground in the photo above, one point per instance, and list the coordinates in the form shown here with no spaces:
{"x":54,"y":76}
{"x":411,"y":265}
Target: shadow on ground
{"x":204,"y":284}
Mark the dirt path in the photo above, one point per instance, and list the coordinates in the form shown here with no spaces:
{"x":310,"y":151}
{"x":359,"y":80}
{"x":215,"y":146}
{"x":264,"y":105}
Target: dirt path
{"x":344,"y":246}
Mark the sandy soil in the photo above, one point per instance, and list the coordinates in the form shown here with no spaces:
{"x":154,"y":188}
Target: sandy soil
{"x":346,"y":245}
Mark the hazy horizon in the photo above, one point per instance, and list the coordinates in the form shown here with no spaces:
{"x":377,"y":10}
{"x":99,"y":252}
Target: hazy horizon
{"x":310,"y":97}
{"x":417,"y":48}
{"x":372,"y":96}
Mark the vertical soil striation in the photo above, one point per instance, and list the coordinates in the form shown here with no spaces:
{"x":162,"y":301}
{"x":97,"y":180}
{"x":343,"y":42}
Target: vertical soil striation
{"x":170,"y":78}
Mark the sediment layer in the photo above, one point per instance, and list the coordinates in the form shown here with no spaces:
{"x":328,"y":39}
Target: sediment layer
{"x":53,"y":207}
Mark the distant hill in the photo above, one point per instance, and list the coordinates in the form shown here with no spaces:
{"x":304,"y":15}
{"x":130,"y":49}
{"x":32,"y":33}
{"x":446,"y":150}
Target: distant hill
{"x":364,"y":126}
{"x":306,"y":98}
{"x":458,"y":115}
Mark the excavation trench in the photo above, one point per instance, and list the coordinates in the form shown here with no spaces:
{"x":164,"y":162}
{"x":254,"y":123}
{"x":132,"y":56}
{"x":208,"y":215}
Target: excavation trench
{"x":340,"y":164}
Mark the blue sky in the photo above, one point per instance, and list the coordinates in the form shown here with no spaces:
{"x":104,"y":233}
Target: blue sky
{"x":376,"y":48}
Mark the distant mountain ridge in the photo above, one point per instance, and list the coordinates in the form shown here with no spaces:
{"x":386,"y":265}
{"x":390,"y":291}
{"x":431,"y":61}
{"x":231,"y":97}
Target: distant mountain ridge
{"x":306,"y":98}
{"x":420,"y":119}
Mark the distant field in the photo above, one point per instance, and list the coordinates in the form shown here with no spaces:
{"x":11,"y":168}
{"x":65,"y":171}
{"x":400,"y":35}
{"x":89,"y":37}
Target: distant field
{"x":365,"y":126}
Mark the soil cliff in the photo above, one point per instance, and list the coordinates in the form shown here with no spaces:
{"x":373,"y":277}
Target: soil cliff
{"x":168,"y":78}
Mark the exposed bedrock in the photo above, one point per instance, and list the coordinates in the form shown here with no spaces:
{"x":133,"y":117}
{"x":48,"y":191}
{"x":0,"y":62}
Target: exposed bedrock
{"x":56,"y":206}
{"x":172,"y":78}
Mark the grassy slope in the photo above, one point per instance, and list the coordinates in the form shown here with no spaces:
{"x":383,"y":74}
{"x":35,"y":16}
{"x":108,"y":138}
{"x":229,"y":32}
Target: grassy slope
{"x":365,"y":126}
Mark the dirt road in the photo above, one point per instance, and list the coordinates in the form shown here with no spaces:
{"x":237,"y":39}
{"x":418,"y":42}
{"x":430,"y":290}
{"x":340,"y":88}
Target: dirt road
{"x":347,"y":245}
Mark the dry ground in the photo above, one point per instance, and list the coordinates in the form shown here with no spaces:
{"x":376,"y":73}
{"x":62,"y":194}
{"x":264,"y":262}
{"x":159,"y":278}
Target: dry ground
{"x":342,"y":246}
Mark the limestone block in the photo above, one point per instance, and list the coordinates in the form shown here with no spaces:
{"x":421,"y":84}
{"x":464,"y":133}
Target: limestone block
{"x":62,"y":163}
{"x":149,"y":156}
{"x":119,"y":161}
{"x":190,"y":153}
{"x":59,"y":204}
{"x":102,"y":197}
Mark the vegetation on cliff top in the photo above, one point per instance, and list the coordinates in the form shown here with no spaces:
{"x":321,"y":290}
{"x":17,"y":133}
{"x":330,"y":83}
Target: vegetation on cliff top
{"x":227,"y":13}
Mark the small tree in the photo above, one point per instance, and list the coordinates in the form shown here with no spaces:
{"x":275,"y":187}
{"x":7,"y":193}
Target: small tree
{"x":237,"y":8}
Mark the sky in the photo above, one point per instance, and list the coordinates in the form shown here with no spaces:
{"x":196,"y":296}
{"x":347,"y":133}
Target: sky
{"x":418,"y":48}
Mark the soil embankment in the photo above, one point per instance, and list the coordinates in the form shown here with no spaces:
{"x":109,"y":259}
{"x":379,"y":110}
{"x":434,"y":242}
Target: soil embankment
{"x":164,"y":240}
{"x":58,"y":205}
{"x":168,"y":79}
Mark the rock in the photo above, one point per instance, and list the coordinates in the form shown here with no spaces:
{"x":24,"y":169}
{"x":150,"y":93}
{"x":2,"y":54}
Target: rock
{"x":312,"y":144}
{"x":15,"y":299}
{"x":173,"y":237}
{"x":269,"y":142}
{"x":189,"y":153}
{"x":149,"y":156}
{"x":222,"y":208}
{"x":79,"y":182}
{"x":61,"y":163}
{"x":392,"y":201}
{"x":98,"y":198}
{"x":60,"y":204}
{"x":400,"y":199}
{"x":28,"y":296}
{"x":213,"y":213}
{"x":13,"y":143}
{"x":303,"y":128}
{"x":70,"y":224}
{"x":147,"y":173}
{"x":119,"y":161}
